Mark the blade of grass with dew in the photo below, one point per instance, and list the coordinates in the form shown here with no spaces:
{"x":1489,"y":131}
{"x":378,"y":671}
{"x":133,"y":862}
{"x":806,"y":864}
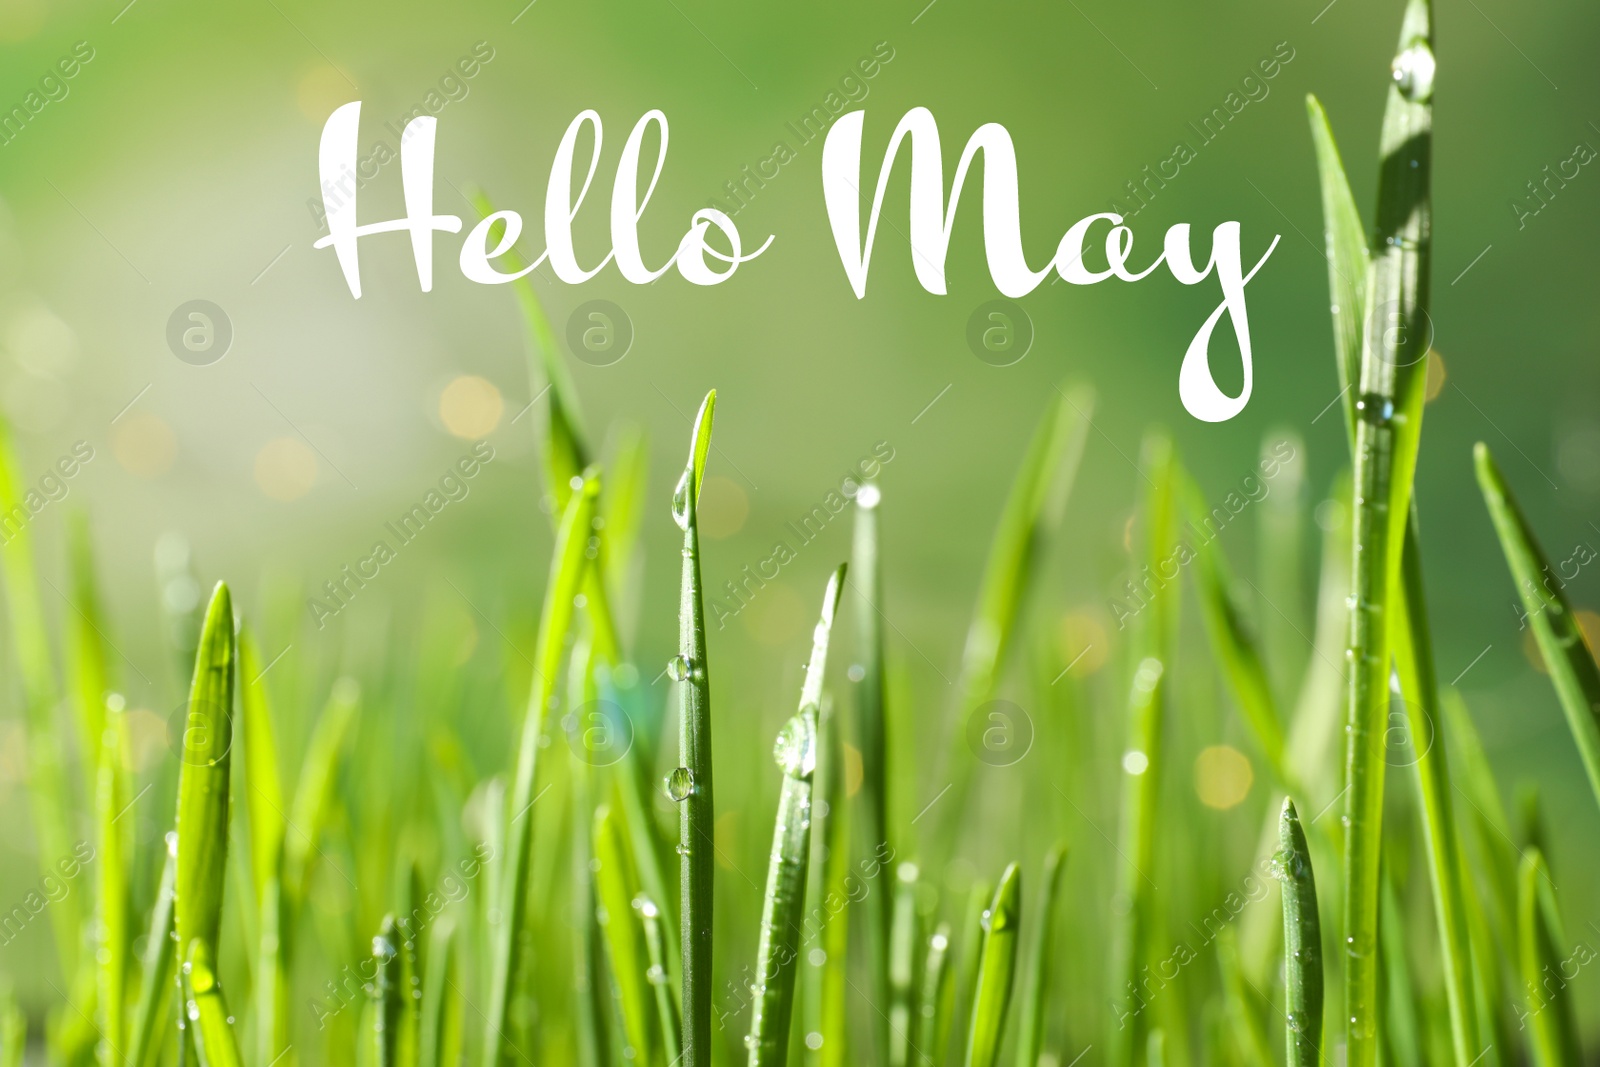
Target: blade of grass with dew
{"x":589,"y":984}
{"x":1348,"y":260}
{"x":871,"y":695}
{"x":1413,"y":658}
{"x":387,"y":1006}
{"x":1032,"y":510}
{"x":997,"y":971}
{"x":1302,"y":943}
{"x":782,"y":911}
{"x":1142,"y":762}
{"x":114,"y":855}
{"x":1388,"y":431}
{"x":148,"y":1036}
{"x":208,"y":1011}
{"x":655,"y":942}
{"x":1036,"y":987}
{"x":616,"y":886}
{"x":905,"y":938}
{"x":1552,"y":1031}
{"x":689,"y":785}
{"x":1249,"y":1035}
{"x":1567,"y":655}
{"x":439,"y":1031}
{"x":823,"y":1000}
{"x":935,"y":1001}
{"x":49,"y":798}
{"x":567,"y":567}
{"x":88,"y":673}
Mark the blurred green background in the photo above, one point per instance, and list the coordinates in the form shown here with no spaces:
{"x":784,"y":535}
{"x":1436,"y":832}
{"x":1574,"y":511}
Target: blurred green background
{"x":180,"y":161}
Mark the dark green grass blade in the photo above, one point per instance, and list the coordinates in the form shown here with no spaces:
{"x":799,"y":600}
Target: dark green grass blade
{"x":996,"y":971}
{"x":904,"y":941}
{"x":1348,"y":260}
{"x":1032,"y":510}
{"x":508,"y":935}
{"x":690,"y":784}
{"x":1302,"y":943}
{"x":782,"y":912}
{"x":616,"y":886}
{"x":153,"y":1018}
{"x":1036,"y":989}
{"x":202,"y":824}
{"x":1388,"y":430}
{"x":1544,"y":600}
{"x":207,"y":1010}
{"x":1552,"y":1031}
{"x":935,"y":1003}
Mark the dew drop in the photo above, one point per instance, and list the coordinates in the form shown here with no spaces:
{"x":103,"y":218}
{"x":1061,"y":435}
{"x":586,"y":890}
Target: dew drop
{"x":680,"y":501}
{"x":680,"y":784}
{"x":678,"y":668}
{"x":796,"y":748}
{"x":1413,"y":71}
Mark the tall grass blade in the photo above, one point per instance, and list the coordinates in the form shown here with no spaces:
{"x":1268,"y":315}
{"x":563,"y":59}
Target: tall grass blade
{"x":152,"y":1017}
{"x":1552,"y":1029}
{"x":828,"y":922}
{"x":1249,"y":1035}
{"x":1036,"y":987}
{"x":1402,"y":1022}
{"x":690,"y":784}
{"x":667,"y":1017}
{"x":782,"y":912}
{"x":996,"y":971}
{"x":314,"y":792}
{"x":439,"y":1031}
{"x":507,"y":936}
{"x":616,"y":887}
{"x":1388,"y":420}
{"x":114,"y":855}
{"x":935,"y":1001}
{"x":1348,"y":260}
{"x":971,"y":956}
{"x":904,"y":941}
{"x":387,"y":1005}
{"x":1567,"y":655}
{"x":1302,"y":943}
{"x":207,"y":1010}
{"x":264,"y":809}
{"x":89,"y":674}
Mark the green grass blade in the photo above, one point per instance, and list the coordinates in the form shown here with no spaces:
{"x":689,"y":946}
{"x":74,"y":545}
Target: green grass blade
{"x":690,"y":784}
{"x":1281,"y":539}
{"x":440,"y":1027}
{"x":1302,"y":943}
{"x":203,"y":781}
{"x":264,"y":789}
{"x":1348,"y":260}
{"x":1388,"y":431}
{"x":508,"y":935}
{"x":671,"y":1027}
{"x":152,"y":1018}
{"x":904,"y":941}
{"x":1566,"y":654}
{"x":114,"y":855}
{"x":1413,"y":657}
{"x":936,"y":1001}
{"x":826,"y":1026}
{"x":1036,"y":987}
{"x":1552,"y":1031}
{"x":89,"y":673}
{"x":1249,"y":1035}
{"x":782,"y":912}
{"x":314,"y":792}
{"x":1402,"y":1025}
{"x":996,"y":971}
{"x":972,"y":932}
{"x":207,"y":1010}
{"x":616,"y":886}
{"x":1032,"y":511}
{"x":13,"y":1032}
{"x":387,"y":1005}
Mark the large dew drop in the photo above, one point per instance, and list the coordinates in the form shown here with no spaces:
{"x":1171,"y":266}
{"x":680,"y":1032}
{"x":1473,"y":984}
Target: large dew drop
{"x":796,"y":748}
{"x":680,"y":784}
{"x":680,"y":501}
{"x":1413,"y":72}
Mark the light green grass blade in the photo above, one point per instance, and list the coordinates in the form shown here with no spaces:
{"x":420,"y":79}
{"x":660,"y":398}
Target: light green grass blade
{"x":263,"y":785}
{"x":13,"y":1032}
{"x":616,"y":886}
{"x":386,"y":988}
{"x":1552,"y":1030}
{"x":114,"y":859}
{"x":1388,"y":430}
{"x":1414,"y":669}
{"x":89,"y":673}
{"x":314,"y":792}
{"x":936,"y":1001}
{"x":1302,"y":943}
{"x":1348,"y":260}
{"x":202,"y":823}
{"x":1567,"y":655}
{"x":153,"y":1019}
{"x":207,"y":1010}
{"x":690,"y":784}
{"x":972,"y":933}
{"x":905,"y":938}
{"x":1402,"y":1024}
{"x":1249,"y":1035}
{"x":996,"y":971}
{"x":590,"y":990}
{"x":440,"y":1029}
{"x":508,"y":935}
{"x":829,"y":896}
{"x":1036,"y":990}
{"x":655,"y":941}
{"x":1032,"y":511}
{"x":782,"y":911}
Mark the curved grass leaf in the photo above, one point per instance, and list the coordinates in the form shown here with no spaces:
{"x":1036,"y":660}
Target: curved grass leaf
{"x":904,"y":941}
{"x":202,"y":823}
{"x":616,"y":886}
{"x":1302,"y":943}
{"x":1348,"y":260}
{"x":439,"y":1030}
{"x":207,"y":1010}
{"x":1552,"y":1030}
{"x":152,"y":1018}
{"x":871,"y":736}
{"x":782,"y":912}
{"x":113,"y":856}
{"x":666,"y":1005}
{"x":936,"y":1001}
{"x":88,"y":672}
{"x":1036,"y":987}
{"x":996,"y":971}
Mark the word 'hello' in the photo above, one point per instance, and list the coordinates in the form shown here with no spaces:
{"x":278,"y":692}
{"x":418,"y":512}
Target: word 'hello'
{"x":932,"y":219}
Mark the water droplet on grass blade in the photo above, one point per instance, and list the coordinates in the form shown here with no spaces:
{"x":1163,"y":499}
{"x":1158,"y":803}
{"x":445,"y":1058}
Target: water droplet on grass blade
{"x":680,"y":784}
{"x":796,"y":748}
{"x":1413,"y":71}
{"x":680,"y":501}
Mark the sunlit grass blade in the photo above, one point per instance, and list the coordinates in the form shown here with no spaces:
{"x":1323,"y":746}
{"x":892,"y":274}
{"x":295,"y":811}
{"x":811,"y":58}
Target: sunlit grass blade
{"x":152,"y":1019}
{"x":828,"y":921}
{"x":1348,"y":260}
{"x":264,"y":809}
{"x":88,"y":673}
{"x":508,"y":934}
{"x":314,"y":792}
{"x":782,"y":912}
{"x":439,"y":1032}
{"x":655,"y":942}
{"x":690,"y":784}
{"x":904,"y":942}
{"x":386,"y":989}
{"x":202,"y":823}
{"x":1302,"y":943}
{"x":1388,"y":420}
{"x":935,"y":1001}
{"x":113,"y":853}
{"x":997,"y":971}
{"x":1249,"y":1034}
{"x":871,"y":736}
{"x":1032,"y":510}
{"x":616,"y":886}
{"x":207,"y":1010}
{"x":1413,"y":658}
{"x":1036,"y":987}
{"x":1566,"y":653}
{"x":1552,"y":1029}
